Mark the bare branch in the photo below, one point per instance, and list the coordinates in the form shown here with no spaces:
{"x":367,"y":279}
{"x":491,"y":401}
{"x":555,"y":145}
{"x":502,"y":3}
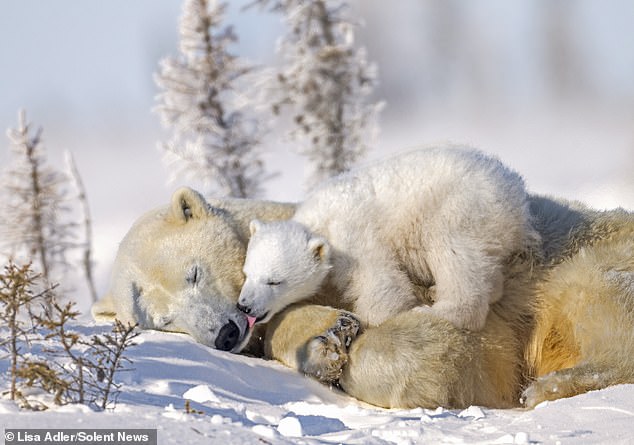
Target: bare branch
{"x":86,"y":223}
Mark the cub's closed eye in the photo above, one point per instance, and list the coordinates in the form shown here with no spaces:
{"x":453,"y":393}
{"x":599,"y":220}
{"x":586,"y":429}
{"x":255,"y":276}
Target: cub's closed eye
{"x":193,"y":275}
{"x":273,"y":283}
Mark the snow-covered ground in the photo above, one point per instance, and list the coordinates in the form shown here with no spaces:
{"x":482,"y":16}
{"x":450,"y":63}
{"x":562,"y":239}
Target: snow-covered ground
{"x":249,"y":401}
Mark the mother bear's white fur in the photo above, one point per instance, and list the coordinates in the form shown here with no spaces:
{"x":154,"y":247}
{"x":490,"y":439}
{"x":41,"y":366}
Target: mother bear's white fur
{"x":445,"y":218}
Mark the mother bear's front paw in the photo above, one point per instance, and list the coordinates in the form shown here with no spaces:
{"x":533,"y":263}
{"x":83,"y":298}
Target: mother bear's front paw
{"x":327,"y":354}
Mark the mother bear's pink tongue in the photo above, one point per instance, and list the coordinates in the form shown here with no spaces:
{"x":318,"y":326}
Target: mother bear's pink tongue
{"x":251,"y":321}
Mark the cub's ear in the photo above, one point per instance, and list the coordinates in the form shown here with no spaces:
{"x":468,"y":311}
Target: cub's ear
{"x":255,"y":225}
{"x":320,"y":248}
{"x":188,"y":204}
{"x":104,"y":310}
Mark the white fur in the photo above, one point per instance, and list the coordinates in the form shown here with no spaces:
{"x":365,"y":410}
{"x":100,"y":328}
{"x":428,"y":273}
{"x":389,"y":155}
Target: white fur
{"x":447,"y":218}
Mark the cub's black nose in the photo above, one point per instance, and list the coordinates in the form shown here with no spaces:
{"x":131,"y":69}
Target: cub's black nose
{"x":245,"y":309}
{"x":228,"y":337}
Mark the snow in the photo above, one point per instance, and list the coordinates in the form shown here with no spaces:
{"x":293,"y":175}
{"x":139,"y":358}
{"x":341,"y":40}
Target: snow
{"x":246,"y":400}
{"x":290,"y":427}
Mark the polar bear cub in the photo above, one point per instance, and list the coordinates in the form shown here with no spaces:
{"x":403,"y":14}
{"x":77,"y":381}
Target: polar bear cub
{"x":442,"y":219}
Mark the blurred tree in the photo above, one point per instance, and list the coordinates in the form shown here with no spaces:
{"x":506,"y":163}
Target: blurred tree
{"x":213,"y":139}
{"x":34,"y":221}
{"x":327,"y":81}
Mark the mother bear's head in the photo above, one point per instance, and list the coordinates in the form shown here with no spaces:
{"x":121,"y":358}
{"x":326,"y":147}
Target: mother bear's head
{"x":179,"y":269}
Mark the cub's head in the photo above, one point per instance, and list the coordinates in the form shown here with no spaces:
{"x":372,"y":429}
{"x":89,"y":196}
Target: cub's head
{"x":179,"y":269}
{"x":285,"y":263}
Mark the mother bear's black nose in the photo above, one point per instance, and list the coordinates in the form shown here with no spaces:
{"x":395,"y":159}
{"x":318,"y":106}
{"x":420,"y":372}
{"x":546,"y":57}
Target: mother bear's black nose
{"x":228,"y":337}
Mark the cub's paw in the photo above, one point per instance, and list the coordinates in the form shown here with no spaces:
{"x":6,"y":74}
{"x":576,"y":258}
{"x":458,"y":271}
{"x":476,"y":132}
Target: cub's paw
{"x":327,"y":354}
{"x":346,"y":328}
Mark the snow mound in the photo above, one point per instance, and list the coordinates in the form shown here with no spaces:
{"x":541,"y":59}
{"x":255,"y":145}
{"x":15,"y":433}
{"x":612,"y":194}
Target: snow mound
{"x":241,"y":400}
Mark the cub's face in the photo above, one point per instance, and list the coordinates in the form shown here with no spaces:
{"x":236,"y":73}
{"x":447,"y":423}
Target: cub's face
{"x":179,"y":269}
{"x":285,"y":263}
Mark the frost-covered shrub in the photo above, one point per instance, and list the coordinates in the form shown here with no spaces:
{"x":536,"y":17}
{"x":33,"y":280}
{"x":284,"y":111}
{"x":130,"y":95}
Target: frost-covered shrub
{"x":214,"y":138}
{"x":327,"y":82}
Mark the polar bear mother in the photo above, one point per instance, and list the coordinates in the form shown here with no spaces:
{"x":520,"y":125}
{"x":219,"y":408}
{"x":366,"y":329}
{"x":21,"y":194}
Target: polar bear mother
{"x":564,"y":326}
{"x":446,"y":219}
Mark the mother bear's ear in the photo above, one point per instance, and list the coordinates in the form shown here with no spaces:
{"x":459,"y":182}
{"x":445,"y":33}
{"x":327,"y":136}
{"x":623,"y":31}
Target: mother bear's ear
{"x":188,"y":204}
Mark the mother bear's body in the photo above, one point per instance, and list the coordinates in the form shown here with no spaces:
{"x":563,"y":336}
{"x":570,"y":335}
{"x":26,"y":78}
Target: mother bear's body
{"x":573,"y":333}
{"x":564,"y":326}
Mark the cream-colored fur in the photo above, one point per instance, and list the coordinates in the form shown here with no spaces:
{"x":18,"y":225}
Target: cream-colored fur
{"x":564,"y":325}
{"x":448,"y":217}
{"x":412,"y":360}
{"x":584,"y":335}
